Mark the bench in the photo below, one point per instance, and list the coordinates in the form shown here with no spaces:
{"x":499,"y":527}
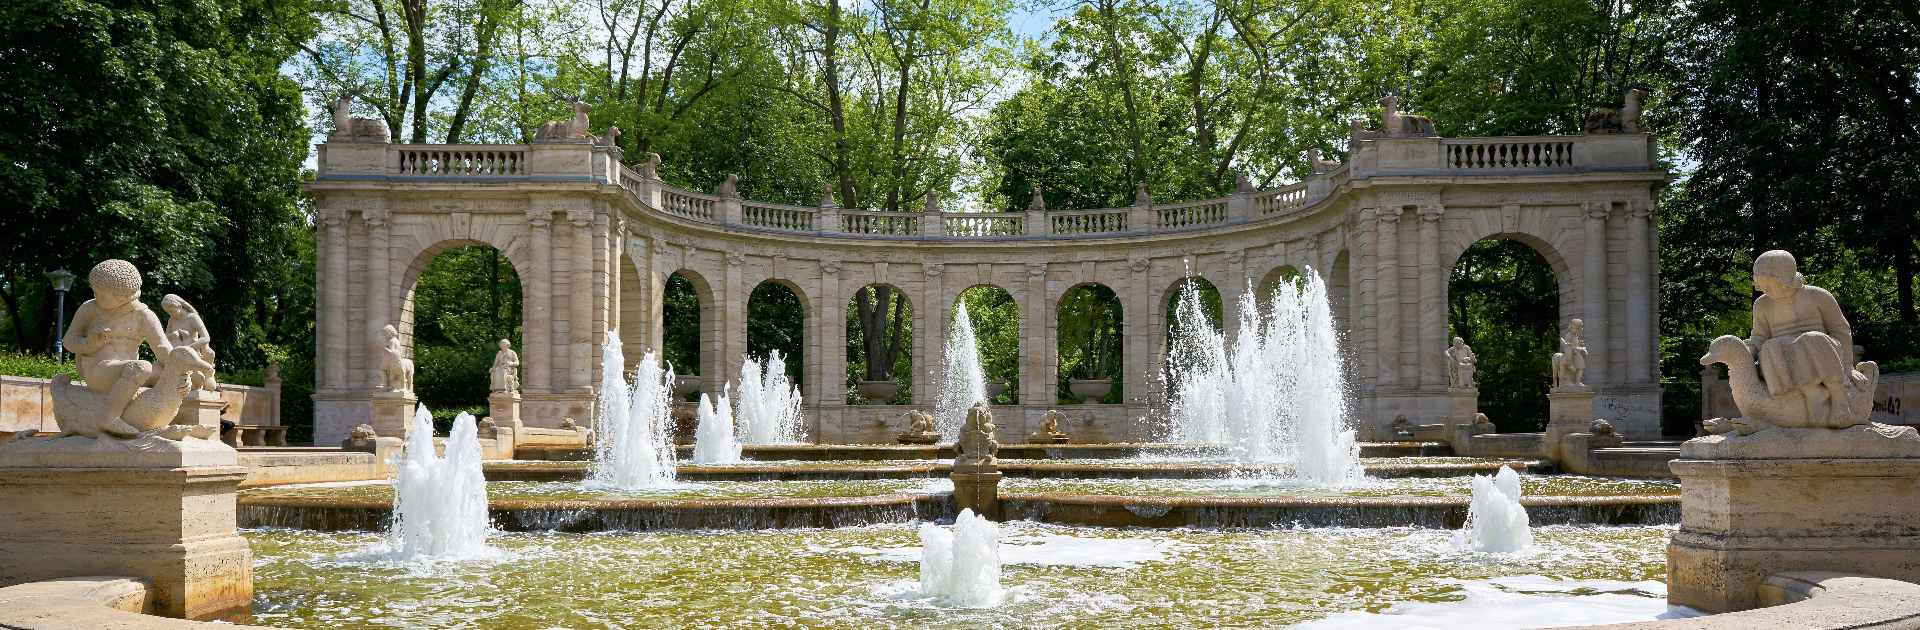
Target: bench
{"x":255,"y":435}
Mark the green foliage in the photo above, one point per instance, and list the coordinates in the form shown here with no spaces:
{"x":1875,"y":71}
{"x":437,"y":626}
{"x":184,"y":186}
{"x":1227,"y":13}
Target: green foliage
{"x":777,"y":321}
{"x":1091,"y":331}
{"x":34,"y":365}
{"x":1503,"y":300}
{"x":466,"y":300}
{"x":1209,"y":303}
{"x":443,"y":418}
{"x":996,"y":332}
{"x":899,"y":314}
{"x":680,"y":315}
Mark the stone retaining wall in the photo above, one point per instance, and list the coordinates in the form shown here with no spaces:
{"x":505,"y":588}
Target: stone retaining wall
{"x":27,"y":403}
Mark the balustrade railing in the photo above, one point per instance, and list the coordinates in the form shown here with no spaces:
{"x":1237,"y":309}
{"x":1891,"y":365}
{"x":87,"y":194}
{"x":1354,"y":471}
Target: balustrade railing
{"x":479,"y":161}
{"x":1507,"y":154}
{"x":687,"y":204}
{"x":1281,"y":200}
{"x":984,"y":224}
{"x":1190,"y":214}
{"x":778,"y":217}
{"x":1103,"y":221}
{"x":880,"y":223}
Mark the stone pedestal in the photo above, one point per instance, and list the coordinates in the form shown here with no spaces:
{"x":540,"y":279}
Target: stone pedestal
{"x":1569,"y":410}
{"x":167,"y":517}
{"x":1462,"y":405}
{"x":393,"y":413}
{"x":979,"y":492}
{"x":505,"y":408}
{"x":201,"y":407}
{"x":1792,"y":499}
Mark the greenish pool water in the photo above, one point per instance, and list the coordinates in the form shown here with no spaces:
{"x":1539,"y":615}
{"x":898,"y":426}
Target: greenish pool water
{"x":575,"y":491}
{"x":1531,"y":485}
{"x":1057,"y":577}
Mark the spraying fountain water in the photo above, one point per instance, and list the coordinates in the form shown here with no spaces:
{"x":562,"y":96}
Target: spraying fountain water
{"x":769,"y":404}
{"x":633,"y":446}
{"x":1496,"y":522}
{"x":713,"y":441}
{"x":961,"y":382}
{"x":961,"y":567}
{"x":1276,"y":397}
{"x":440,"y":503}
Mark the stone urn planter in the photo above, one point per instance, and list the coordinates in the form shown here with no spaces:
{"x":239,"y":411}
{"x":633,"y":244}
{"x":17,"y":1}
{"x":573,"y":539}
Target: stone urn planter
{"x":684,"y":384}
{"x":1092,"y":389}
{"x":877,"y":391}
{"x":996,"y":388}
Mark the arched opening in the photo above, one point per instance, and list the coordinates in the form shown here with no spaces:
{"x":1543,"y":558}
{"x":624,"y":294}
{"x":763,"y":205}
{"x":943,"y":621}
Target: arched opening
{"x":776,"y":321}
{"x":879,"y":346}
{"x":1504,"y":301}
{"x":996,"y":331}
{"x":1271,"y":282}
{"x":463,"y":303}
{"x":1091,"y":329}
{"x":1177,"y":324}
{"x":680,"y":328}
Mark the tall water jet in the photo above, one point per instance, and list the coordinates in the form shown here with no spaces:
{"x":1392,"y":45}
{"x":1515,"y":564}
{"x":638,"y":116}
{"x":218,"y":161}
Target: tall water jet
{"x":440,"y":502}
{"x":1275,"y":396}
{"x":1496,"y":522}
{"x":961,"y":381}
{"x":769,"y":403}
{"x":713,"y":441}
{"x":633,"y":434}
{"x":961,"y":567}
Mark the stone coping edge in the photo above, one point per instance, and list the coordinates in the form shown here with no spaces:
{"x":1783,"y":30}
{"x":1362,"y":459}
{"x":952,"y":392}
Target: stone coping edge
{"x":1800,"y":600}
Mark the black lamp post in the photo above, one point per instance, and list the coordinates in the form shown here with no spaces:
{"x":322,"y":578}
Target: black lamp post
{"x":62,"y":280}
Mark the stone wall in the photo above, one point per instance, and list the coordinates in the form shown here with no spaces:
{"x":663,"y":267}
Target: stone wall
{"x":1894,"y":399}
{"x":27,"y":403}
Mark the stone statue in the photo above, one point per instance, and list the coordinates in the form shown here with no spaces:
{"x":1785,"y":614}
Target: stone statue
{"x":729,"y":187}
{"x":1483,"y":425}
{"x":105,"y":337}
{"x":1623,"y":120}
{"x":919,"y":428}
{"x":566,"y":130}
{"x":1460,"y":365}
{"x":185,"y":328}
{"x":1319,"y":165}
{"x":396,"y":370}
{"x":1037,"y":203}
{"x":1141,"y":197}
{"x":1570,"y":363}
{"x":1394,"y":124}
{"x":1804,"y":348}
{"x":826,"y":196}
{"x":1401,"y":426}
{"x":1049,"y":432}
{"x":348,"y":128}
{"x":974,"y":452}
{"x":651,"y":168}
{"x":568,"y":424}
{"x":1600,"y":426}
{"x":933,"y":200}
{"x":506,"y":369}
{"x":1360,"y":134}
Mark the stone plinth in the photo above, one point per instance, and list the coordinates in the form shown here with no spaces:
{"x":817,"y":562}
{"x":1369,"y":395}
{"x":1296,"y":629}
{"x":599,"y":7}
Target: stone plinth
{"x":167,"y":517}
{"x":201,"y":407}
{"x":1462,"y":405}
{"x":393,"y":413}
{"x":1570,"y":410}
{"x":504,"y":408}
{"x":1792,"y":499}
{"x":979,"y":492}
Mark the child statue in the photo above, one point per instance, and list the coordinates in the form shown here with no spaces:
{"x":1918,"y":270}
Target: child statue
{"x":186,"y":329}
{"x":106,"y":333}
{"x":506,"y":369}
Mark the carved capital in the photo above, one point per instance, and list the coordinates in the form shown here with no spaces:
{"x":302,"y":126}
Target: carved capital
{"x":1431,"y":213}
{"x":1389,"y":214}
{"x":539,"y":218}
{"x":1036,"y":269}
{"x":1138,"y":263}
{"x":376,"y":218}
{"x":1599,"y":209}
{"x":735,"y":258}
{"x":580,"y":218}
{"x":829,"y":266}
{"x":1234,"y":256}
{"x":933,"y":269}
{"x":332,"y":216}
{"x":690,"y":251}
{"x":1640,"y":210}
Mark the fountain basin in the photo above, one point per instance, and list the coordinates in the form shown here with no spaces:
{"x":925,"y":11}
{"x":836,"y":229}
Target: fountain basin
{"x":827,"y":470}
{"x":1008,"y":450}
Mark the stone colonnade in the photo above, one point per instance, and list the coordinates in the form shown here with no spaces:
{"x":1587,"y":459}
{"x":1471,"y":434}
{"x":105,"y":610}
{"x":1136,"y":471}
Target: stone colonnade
{"x":595,"y":242}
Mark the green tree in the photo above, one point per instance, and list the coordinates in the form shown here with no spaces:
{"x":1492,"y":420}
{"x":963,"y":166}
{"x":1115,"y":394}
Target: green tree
{"x":776,"y":321}
{"x":466,"y":300}
{"x":1090,"y":339}
{"x":880,"y":341}
{"x":680,"y":318}
{"x":1503,"y":301}
{"x":996,"y":335}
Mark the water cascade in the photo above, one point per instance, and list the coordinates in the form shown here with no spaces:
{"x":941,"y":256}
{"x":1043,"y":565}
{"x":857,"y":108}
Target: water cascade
{"x":633,"y":447}
{"x":769,"y":403}
{"x":1276,"y":396}
{"x":1496,"y":522}
{"x":440,"y":503}
{"x":961,"y":382}
{"x":713,"y":441}
{"x":961,"y":567}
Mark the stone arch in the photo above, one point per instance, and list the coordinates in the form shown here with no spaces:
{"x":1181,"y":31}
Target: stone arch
{"x":1565,"y":274}
{"x":707,"y":341}
{"x":795,"y":354}
{"x":632,"y":317}
{"x":438,"y":384}
{"x":1005,"y":368}
{"x":1117,"y":348}
{"x":912,"y":317}
{"x":1263,"y":290}
{"x":409,"y":281}
{"x":1505,"y":369}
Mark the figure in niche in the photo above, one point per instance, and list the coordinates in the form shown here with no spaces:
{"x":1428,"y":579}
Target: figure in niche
{"x":186,"y":329}
{"x":1804,"y":348}
{"x":1570,"y":363}
{"x":1461,"y":365}
{"x":396,"y":370}
{"x":506,"y":369}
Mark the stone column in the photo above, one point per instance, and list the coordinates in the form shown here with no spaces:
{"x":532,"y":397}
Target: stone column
{"x":832,"y":323}
{"x":1432,"y":339}
{"x":1037,"y":384}
{"x":1641,"y":337}
{"x":1366,"y":334}
{"x":165,"y":515}
{"x":537,"y":334}
{"x":334,"y":302}
{"x":379,"y":277}
{"x":1594,"y":305}
{"x":1388,"y":279}
{"x":580,"y":315}
{"x":1140,"y":378}
{"x":1231,"y":291}
{"x":733,"y":315}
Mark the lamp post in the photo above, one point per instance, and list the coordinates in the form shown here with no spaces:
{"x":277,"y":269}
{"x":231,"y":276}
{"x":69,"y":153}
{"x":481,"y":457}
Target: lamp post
{"x":62,"y":280}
